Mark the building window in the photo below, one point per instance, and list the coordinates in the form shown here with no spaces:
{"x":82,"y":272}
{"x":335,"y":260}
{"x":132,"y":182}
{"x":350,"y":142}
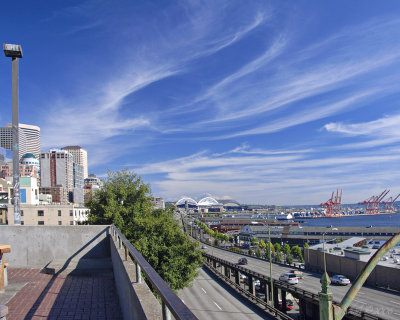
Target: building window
{"x":22,"y":223}
{"x":71,"y":223}
{"x":40,"y":213}
{"x":59,"y":223}
{"x":40,"y":223}
{"x":22,"y":213}
{"x":59,"y":214}
{"x":71,"y":213}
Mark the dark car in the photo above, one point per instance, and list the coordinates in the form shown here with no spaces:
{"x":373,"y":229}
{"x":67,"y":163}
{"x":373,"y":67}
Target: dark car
{"x":242,"y":261}
{"x":260,"y":295}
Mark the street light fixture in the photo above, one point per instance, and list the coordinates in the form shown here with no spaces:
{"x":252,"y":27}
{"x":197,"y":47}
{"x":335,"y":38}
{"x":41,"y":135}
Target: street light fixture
{"x":14,"y":51}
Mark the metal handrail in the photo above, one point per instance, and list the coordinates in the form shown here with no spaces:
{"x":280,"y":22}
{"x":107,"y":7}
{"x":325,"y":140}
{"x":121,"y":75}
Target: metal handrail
{"x":169,"y":299}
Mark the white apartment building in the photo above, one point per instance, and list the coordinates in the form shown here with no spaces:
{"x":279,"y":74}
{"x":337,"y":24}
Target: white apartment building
{"x":29,"y":139}
{"x":79,"y":155}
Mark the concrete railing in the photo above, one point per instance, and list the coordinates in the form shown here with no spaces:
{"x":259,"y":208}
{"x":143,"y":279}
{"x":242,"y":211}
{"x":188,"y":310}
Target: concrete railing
{"x":171,"y":303}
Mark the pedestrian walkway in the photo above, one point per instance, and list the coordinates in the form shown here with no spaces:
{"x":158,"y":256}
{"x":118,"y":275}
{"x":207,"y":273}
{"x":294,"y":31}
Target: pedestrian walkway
{"x":43,"y":296}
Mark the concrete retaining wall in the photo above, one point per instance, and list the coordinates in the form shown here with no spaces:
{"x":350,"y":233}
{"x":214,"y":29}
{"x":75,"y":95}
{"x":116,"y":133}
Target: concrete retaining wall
{"x":381,"y":276}
{"x":36,"y":246}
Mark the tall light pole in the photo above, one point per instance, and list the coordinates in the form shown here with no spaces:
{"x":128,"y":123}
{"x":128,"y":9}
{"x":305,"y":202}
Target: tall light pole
{"x":270,"y":264}
{"x":14,"y":51}
{"x":270,"y":260}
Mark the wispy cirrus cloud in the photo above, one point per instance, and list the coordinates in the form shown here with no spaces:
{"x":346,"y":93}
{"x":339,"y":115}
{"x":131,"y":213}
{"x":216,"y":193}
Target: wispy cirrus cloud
{"x":104,"y":104}
{"x":225,"y":97}
{"x":380,"y":132}
{"x":281,"y":85}
{"x":305,"y":177}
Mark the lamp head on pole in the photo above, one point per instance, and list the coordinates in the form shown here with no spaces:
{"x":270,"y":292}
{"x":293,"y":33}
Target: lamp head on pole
{"x":12,"y":50}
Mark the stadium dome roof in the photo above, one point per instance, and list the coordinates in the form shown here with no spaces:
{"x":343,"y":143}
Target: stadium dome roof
{"x":208,"y":201}
{"x":184,"y":200}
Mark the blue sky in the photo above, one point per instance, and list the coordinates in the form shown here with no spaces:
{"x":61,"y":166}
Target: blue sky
{"x":267,"y":102}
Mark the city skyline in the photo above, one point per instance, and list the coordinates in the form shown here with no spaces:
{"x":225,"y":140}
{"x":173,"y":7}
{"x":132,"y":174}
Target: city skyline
{"x":268,"y":103}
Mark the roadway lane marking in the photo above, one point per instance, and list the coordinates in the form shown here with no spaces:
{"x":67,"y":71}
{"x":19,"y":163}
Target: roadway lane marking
{"x":394,"y":302}
{"x":359,"y":301}
{"x":217,"y":305}
{"x":203,"y":290}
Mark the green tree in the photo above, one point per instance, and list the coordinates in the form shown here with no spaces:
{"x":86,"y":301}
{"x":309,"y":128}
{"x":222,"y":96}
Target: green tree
{"x":296,"y":251}
{"x":278,"y":257}
{"x":269,"y":247}
{"x":254,"y":241}
{"x":126,"y":202}
{"x":286,"y":249}
{"x":234,"y":249}
{"x":250,"y":251}
{"x":277,"y":247}
{"x":123,"y":198}
{"x":258,"y":253}
{"x":289,"y":259}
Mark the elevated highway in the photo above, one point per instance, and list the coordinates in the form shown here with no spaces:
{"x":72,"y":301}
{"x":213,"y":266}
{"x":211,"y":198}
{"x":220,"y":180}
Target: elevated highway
{"x":370,"y":303}
{"x":208,"y":300}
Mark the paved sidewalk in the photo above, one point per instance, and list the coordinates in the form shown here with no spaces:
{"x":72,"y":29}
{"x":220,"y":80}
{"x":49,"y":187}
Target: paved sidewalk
{"x":44,"y":296}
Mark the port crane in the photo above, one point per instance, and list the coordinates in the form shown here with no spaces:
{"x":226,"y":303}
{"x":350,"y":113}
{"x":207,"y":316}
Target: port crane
{"x":372,"y":204}
{"x":334,"y":204}
{"x":389,"y":204}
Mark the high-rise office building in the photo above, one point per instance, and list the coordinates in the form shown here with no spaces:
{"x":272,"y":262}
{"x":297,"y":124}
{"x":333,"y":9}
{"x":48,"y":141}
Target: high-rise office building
{"x":56,"y":169}
{"x":60,"y":175}
{"x":80,"y":157}
{"x":29,"y":139}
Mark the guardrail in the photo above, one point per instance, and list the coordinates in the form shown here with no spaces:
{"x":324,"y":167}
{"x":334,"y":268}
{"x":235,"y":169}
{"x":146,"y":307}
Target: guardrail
{"x":171,"y":303}
{"x":312,"y":297}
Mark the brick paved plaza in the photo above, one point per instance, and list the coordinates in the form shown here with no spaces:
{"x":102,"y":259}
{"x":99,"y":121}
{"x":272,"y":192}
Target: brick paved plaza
{"x":44,"y":296}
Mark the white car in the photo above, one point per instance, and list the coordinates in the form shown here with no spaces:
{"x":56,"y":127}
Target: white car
{"x":290,"y":278}
{"x":339,"y":279}
{"x":243,"y":277}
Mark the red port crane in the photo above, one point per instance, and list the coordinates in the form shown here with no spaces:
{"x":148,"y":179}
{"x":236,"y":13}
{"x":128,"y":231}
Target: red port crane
{"x":372,"y":205}
{"x":389,"y":204}
{"x":334,"y":204}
